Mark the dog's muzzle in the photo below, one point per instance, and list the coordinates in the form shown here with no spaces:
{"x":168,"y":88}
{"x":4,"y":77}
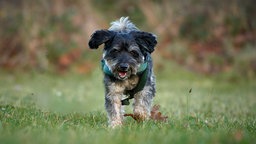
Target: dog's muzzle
{"x":123,"y":69}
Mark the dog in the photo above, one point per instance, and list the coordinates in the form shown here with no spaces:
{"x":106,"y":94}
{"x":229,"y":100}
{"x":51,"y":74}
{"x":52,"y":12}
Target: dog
{"x":128,"y":69}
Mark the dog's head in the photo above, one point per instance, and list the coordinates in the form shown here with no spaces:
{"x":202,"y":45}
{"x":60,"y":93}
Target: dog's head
{"x":123,"y":52}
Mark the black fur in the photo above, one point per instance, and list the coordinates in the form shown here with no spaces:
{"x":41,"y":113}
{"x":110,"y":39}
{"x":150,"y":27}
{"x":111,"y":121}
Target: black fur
{"x":99,"y":37}
{"x":145,"y":40}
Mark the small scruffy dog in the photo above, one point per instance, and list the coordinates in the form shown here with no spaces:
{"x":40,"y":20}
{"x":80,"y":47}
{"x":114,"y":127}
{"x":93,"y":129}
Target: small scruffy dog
{"x":127,"y":68}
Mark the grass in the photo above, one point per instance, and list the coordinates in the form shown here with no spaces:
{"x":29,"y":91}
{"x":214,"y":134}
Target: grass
{"x":48,"y":108}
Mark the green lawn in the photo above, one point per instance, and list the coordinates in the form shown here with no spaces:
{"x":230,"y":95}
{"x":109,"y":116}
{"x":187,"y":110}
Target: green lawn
{"x":49,"y":108}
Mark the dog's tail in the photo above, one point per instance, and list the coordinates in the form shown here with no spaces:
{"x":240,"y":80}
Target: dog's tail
{"x":123,"y":25}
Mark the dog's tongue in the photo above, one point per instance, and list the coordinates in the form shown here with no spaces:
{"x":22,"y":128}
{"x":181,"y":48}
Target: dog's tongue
{"x":122,"y":74}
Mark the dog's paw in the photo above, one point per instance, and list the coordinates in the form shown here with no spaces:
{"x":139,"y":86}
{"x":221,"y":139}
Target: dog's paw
{"x":115,"y":124}
{"x":155,"y":115}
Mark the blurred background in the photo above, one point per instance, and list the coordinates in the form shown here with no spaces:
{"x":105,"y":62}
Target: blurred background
{"x":204,"y":36}
{"x":51,"y":88}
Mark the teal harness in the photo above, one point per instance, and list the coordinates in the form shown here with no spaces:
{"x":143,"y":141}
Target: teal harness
{"x":142,"y":73}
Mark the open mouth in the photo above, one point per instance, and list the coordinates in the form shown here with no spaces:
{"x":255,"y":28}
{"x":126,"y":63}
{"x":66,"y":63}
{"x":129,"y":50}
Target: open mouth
{"x":122,"y":74}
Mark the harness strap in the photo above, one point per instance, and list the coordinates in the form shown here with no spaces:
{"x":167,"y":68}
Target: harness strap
{"x":141,"y":84}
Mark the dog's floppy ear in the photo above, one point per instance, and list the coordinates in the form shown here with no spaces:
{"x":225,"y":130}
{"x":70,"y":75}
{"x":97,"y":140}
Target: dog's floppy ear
{"x":99,"y":37}
{"x":145,"y":40}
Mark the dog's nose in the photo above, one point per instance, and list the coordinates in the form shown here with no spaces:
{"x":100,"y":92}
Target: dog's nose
{"x":123,"y":67}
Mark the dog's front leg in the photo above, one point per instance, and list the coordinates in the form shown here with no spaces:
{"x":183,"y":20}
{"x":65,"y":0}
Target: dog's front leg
{"x":113,"y":107}
{"x":142,"y":104}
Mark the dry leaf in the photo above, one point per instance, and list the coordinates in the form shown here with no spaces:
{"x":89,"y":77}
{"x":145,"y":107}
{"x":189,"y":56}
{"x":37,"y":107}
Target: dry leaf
{"x":156,"y":115}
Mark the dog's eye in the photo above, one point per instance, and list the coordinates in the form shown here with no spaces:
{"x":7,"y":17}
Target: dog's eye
{"x":134,"y":53}
{"x":114,"y":51}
